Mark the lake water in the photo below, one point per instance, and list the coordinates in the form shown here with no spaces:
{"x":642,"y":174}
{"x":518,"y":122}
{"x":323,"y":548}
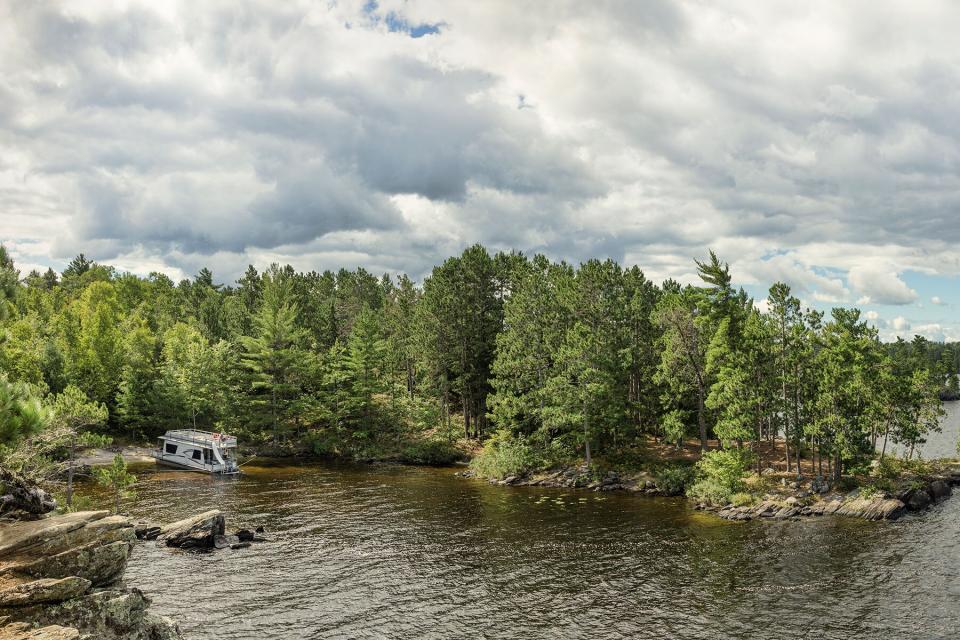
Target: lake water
{"x":395,"y":552}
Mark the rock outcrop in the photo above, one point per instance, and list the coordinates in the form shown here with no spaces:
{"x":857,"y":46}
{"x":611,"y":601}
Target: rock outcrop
{"x":58,"y":580}
{"x":22,"y":498}
{"x":196,"y":532}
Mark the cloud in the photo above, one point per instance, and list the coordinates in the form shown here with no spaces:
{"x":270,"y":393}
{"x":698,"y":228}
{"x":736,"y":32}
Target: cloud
{"x":880,"y":286}
{"x":800,"y":144}
{"x":937,"y":301}
{"x":900,"y":324}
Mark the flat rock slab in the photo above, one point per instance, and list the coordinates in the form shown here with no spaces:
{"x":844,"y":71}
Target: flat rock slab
{"x":24,"y":631}
{"x":101,"y":564}
{"x":872,"y":509}
{"x":44,"y":590}
{"x":20,"y":536}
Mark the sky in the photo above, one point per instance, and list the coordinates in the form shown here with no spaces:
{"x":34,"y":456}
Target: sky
{"x":814,"y":143}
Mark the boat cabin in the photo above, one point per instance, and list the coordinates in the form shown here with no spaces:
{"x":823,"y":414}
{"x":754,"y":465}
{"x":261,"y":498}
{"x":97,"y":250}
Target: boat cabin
{"x":198,"y":451}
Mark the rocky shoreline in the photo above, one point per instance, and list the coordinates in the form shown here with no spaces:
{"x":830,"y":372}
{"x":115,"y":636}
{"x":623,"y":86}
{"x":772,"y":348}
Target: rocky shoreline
{"x":61,"y":579}
{"x":912,"y":497}
{"x":61,"y":575}
{"x":792,"y":499}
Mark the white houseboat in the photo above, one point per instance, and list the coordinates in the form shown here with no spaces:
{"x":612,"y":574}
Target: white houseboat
{"x":198,"y":451}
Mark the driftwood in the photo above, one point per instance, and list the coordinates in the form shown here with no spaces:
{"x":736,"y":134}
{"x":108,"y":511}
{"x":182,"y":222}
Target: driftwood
{"x":23,"y":495}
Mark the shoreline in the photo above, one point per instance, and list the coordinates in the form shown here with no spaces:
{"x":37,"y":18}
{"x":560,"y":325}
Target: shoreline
{"x":104,"y":456}
{"x":790,"y":499}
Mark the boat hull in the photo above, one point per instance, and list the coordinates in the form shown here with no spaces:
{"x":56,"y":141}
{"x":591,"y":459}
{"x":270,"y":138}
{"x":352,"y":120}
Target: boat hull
{"x":173,"y":464}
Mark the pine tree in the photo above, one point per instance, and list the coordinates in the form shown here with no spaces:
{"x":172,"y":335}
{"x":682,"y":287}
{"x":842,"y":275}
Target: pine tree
{"x":273,"y":354}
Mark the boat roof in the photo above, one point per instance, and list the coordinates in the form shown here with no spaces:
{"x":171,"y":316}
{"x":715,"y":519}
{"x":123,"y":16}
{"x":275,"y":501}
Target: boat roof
{"x":202,"y":437}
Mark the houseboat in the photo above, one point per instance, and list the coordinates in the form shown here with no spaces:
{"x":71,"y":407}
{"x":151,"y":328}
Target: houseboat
{"x":198,"y":451}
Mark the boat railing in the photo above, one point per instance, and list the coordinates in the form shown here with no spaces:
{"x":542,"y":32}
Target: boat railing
{"x":208,"y":438}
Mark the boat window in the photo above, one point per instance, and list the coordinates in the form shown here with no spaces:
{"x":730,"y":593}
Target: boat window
{"x":196,"y":454}
{"x":171,"y":448}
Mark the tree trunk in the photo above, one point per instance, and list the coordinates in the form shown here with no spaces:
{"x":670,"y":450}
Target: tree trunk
{"x":701,"y":421}
{"x":276,"y":422}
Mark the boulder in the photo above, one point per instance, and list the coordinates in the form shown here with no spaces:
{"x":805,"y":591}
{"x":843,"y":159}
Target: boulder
{"x":224,"y":541}
{"x":917,"y":499}
{"x":940,"y":489}
{"x":147,"y":532}
{"x":24,"y":496}
{"x":196,"y":532}
{"x":43,"y":590}
{"x":245,"y":535}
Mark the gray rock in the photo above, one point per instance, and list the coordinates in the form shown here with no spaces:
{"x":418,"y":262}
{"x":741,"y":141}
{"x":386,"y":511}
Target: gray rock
{"x":872,"y":508}
{"x":196,"y":532}
{"x":24,"y":631}
{"x":224,"y":541}
{"x":101,"y":564}
{"x":43,"y":590}
{"x":940,"y":489}
{"x":918,"y":499}
{"x":104,"y":615}
{"x":146,"y":532}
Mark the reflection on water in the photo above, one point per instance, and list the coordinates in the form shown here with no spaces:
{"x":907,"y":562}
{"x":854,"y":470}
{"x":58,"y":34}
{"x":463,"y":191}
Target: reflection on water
{"x":391,"y":552}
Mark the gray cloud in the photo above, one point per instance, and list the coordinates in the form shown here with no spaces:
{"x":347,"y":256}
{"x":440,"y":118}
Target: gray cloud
{"x":801,"y":142}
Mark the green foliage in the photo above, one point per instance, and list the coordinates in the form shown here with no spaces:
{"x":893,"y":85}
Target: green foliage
{"x":22,"y":412}
{"x":709,"y":492}
{"x":673,"y":480}
{"x":742,"y":499}
{"x":505,"y":454}
{"x":430,"y":452}
{"x":569,"y":361}
{"x":724,"y":468}
{"x":673,"y":427}
{"x":117,"y":480}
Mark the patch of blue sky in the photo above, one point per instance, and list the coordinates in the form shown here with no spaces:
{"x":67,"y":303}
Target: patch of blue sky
{"x":398,"y":24}
{"x":933,"y":313}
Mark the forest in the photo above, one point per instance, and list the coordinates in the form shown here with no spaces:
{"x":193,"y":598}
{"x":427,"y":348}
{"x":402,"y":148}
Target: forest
{"x":520,"y":361}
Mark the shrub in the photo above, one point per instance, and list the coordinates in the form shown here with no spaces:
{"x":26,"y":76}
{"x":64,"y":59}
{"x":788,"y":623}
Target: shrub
{"x":742,"y":499}
{"x":887,"y":468}
{"x":710,"y":492}
{"x":673,"y":480}
{"x":725,"y":468}
{"x":430,"y":452}
{"x":869,"y":491}
{"x":673,"y":428}
{"x":505,"y":454}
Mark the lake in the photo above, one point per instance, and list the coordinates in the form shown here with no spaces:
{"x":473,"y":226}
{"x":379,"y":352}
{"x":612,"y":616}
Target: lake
{"x":403,"y":552}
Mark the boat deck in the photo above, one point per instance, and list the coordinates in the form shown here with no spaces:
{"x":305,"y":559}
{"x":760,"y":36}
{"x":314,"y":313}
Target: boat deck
{"x":206,"y":438}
